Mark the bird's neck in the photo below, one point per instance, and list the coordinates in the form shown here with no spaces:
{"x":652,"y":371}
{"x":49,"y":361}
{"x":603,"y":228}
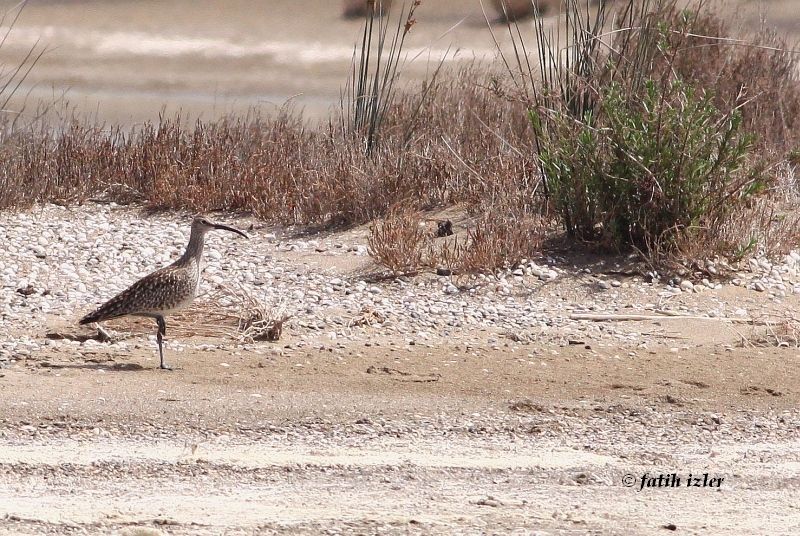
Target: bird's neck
{"x":194,"y":250}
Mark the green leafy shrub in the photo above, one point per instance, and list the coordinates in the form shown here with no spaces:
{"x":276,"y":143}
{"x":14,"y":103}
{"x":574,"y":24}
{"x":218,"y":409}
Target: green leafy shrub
{"x":636,"y":147}
{"x":645,"y":170}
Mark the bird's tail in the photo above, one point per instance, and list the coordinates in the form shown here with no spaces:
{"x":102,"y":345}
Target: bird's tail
{"x":94,"y":316}
{"x":113,"y":308}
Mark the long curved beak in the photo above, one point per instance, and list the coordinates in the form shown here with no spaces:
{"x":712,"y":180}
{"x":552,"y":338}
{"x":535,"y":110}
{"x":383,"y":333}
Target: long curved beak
{"x":231,"y":229}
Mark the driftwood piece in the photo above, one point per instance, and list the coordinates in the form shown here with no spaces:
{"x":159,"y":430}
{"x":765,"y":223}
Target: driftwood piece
{"x":608,"y":317}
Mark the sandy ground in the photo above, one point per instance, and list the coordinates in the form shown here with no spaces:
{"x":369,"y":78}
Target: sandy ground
{"x":395,"y":444}
{"x":382,"y":437}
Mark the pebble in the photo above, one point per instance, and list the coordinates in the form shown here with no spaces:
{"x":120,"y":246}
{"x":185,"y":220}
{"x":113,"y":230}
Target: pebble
{"x":87,"y":254}
{"x":548,"y":275}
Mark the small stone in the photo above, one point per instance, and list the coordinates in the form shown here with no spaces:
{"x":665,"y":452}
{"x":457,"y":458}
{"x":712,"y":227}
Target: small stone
{"x":489,"y":501}
{"x":26,"y":289}
{"x":548,"y":275}
{"x":686,"y":285}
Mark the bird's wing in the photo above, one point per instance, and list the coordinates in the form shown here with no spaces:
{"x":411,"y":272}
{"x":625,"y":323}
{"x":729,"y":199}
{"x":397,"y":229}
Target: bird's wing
{"x":159,"y":291}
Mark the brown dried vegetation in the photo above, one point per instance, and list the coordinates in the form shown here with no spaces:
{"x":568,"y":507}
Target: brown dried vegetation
{"x":400,"y":242}
{"x":468,"y":143}
{"x":278,"y":167}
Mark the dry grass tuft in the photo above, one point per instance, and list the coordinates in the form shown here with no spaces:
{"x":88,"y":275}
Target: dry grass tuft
{"x":253,"y":319}
{"x":400,"y":241}
{"x":367,"y":317}
{"x":502,"y":235}
{"x":498,"y":235}
{"x":781,"y":330}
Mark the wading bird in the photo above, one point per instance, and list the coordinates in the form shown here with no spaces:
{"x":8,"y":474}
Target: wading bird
{"x":164,"y":291}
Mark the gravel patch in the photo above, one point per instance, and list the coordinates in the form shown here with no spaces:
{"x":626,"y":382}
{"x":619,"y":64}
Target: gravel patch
{"x":61,"y":262}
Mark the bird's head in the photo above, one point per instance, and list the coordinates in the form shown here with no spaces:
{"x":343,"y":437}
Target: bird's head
{"x":201,"y":224}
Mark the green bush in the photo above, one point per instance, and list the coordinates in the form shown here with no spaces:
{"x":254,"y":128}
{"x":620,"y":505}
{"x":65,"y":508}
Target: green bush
{"x":635,"y":146}
{"x":643,"y":171}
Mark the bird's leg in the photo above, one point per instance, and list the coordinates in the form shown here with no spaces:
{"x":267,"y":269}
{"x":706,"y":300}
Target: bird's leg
{"x":103,"y":335}
{"x":162,"y":330}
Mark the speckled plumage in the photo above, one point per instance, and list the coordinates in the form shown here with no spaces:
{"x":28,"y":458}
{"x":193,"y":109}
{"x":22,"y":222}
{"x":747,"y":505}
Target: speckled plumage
{"x":163,"y":291}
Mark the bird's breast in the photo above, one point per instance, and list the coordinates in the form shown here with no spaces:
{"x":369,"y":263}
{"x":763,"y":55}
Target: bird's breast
{"x":197,"y":277}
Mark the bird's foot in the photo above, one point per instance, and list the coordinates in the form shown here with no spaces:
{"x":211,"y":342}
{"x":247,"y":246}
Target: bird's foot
{"x":164,"y":366}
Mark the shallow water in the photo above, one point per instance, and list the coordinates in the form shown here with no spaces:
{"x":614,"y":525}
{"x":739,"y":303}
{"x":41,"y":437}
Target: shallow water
{"x":127,"y":61}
